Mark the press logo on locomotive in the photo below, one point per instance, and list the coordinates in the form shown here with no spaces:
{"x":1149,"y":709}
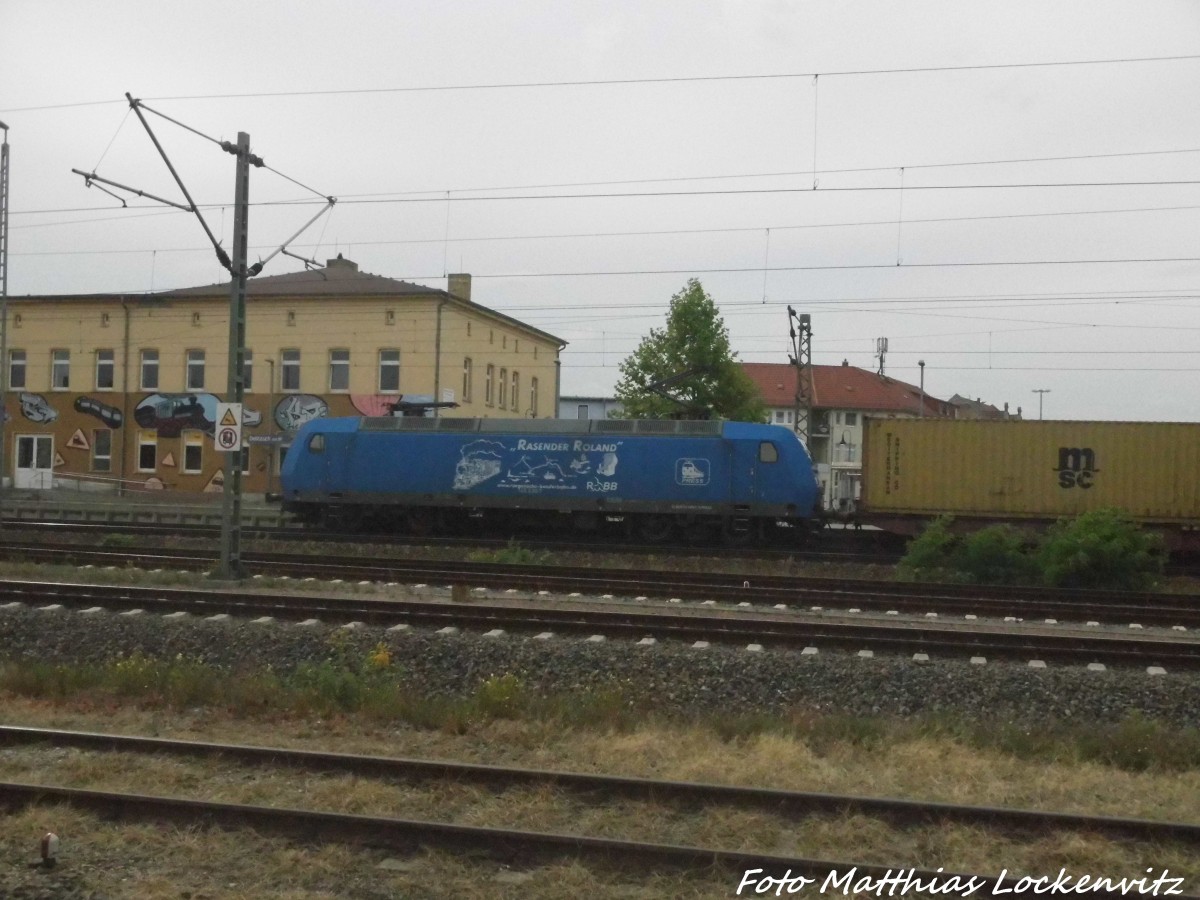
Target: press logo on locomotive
{"x":1076,"y":467}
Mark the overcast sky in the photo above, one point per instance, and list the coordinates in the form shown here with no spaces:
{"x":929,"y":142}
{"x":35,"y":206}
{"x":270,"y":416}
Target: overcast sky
{"x":1007,"y":191}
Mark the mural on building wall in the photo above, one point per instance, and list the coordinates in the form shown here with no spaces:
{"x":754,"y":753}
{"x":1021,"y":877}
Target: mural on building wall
{"x":170,"y":414}
{"x":294,"y":410}
{"x":385,"y":404}
{"x":35,"y":408}
{"x":106,"y":413}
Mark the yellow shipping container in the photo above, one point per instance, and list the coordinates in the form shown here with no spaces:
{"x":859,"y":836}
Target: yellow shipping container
{"x":1032,"y":470}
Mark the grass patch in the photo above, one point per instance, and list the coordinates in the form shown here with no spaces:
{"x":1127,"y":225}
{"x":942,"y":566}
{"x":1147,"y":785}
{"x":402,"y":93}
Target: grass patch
{"x":371,"y":686}
{"x":512,"y":555}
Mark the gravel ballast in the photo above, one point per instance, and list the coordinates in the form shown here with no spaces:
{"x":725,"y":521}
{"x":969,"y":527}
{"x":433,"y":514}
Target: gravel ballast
{"x":667,"y":675}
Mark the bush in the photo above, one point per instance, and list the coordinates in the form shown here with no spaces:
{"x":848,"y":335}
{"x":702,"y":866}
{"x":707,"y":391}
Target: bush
{"x":998,"y":554}
{"x":1104,"y":548}
{"x":931,"y":550}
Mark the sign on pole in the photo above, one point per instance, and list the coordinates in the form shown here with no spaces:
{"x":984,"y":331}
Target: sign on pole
{"x":228,"y":436}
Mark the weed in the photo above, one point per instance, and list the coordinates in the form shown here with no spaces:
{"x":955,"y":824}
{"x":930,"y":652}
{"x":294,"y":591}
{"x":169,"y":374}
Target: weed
{"x":512,"y":555}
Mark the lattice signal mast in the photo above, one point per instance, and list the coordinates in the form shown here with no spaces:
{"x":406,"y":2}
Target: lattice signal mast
{"x":800,"y":329}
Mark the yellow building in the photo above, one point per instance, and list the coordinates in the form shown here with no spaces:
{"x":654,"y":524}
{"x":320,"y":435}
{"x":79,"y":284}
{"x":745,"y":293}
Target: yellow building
{"x":119,"y":391}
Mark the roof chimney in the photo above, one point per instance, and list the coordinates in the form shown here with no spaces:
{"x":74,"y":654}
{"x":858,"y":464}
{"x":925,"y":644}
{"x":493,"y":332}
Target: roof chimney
{"x":345,"y":265}
{"x":459,"y":285}
{"x":845,"y":362}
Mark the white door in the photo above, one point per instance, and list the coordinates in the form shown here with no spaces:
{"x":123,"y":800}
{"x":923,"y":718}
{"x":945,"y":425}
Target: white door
{"x":35,"y":462}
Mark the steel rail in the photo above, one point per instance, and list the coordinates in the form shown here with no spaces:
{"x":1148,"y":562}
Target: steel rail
{"x":1119,"y":607}
{"x":633,"y":620}
{"x":512,"y":845}
{"x":783,"y":802}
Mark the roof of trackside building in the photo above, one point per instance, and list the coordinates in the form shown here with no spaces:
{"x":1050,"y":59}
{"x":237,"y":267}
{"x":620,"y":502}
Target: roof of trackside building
{"x":843,"y":387}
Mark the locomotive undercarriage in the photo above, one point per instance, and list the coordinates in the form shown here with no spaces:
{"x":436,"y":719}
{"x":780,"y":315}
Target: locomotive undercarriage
{"x":739,"y":529}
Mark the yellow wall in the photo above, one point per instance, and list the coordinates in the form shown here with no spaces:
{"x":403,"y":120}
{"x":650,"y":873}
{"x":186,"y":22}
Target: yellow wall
{"x":314,"y":325}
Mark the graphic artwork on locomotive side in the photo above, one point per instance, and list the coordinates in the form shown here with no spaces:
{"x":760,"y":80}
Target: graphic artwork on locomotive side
{"x":656,"y":478}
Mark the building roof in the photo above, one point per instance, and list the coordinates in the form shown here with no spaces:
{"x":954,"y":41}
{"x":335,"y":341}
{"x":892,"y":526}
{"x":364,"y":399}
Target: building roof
{"x":340,"y":276}
{"x":966,"y":408}
{"x":843,"y":387}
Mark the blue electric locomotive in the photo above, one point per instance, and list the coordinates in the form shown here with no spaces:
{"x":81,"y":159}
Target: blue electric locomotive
{"x":656,"y":478}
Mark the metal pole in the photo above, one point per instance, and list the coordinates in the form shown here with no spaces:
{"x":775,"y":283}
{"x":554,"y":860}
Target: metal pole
{"x":1040,"y":392}
{"x":231,"y":495}
{"x":272,"y":449}
{"x":4,"y":367}
{"x":921,"y":363}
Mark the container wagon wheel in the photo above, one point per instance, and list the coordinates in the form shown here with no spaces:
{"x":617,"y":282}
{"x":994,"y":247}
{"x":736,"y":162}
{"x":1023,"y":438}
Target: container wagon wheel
{"x":655,"y":529}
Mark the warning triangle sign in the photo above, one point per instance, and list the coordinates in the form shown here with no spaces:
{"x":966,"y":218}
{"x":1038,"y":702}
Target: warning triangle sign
{"x":77,"y":441}
{"x":228,"y":418}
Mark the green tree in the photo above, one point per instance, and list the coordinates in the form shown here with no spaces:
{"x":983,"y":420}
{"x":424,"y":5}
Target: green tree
{"x":695,"y":340}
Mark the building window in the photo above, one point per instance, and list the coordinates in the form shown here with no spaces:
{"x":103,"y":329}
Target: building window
{"x":339,"y":370}
{"x":101,"y":450}
{"x":516,"y":391}
{"x":389,"y":317}
{"x":389,"y":371}
{"x":291,"y":317}
{"x":104,"y":320}
{"x":533,"y":398}
{"x":147,"y":451}
{"x":16,"y":368}
{"x":581,"y":411}
{"x":193,"y":452}
{"x":851,"y":418}
{"x":149,"y":370}
{"x":503,"y":400}
{"x":504,"y":342}
{"x":487,"y":385}
{"x":289,"y":370}
{"x":195,"y":320}
{"x":247,"y":369}
{"x":60,"y":369}
{"x":195,"y":370}
{"x":105,"y":370}
{"x":466,"y":389}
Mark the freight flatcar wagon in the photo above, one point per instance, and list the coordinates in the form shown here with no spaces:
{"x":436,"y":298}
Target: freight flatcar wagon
{"x":984,"y":471}
{"x":656,"y":478}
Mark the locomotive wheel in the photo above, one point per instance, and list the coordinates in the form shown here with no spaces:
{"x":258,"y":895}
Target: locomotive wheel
{"x":421,"y":522}
{"x":697,"y":531}
{"x":656,"y":529}
{"x":344,"y":519}
{"x":742,"y":533}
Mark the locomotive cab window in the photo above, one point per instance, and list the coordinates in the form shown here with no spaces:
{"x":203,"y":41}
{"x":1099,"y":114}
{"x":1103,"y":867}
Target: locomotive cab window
{"x":316,"y":443}
{"x":768,"y":452}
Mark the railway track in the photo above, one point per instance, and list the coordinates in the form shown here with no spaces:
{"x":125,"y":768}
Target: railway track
{"x":525,"y":848}
{"x":1180,"y":611}
{"x":632,"y":621}
{"x":794,"y":804}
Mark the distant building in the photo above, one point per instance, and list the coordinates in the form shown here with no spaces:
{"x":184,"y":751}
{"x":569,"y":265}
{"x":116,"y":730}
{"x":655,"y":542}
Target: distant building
{"x":589,"y":408}
{"x":842,"y":396}
{"x":965,"y":408}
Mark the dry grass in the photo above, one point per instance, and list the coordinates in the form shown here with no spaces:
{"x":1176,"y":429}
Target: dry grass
{"x":222,"y":865}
